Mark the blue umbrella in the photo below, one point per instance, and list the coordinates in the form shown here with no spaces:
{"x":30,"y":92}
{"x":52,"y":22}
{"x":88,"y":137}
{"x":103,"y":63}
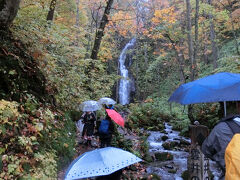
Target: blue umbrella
{"x":100,"y":162}
{"x":218,"y":87}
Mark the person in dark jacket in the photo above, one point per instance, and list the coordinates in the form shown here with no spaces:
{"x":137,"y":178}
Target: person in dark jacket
{"x":106,"y":138}
{"x":89,"y":120}
{"x":215,"y":144}
{"x":109,"y":106}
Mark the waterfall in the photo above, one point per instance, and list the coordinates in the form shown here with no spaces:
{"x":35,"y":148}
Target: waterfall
{"x":125,"y":84}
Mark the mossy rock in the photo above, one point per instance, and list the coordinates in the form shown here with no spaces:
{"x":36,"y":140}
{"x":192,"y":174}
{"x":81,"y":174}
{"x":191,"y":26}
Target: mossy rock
{"x":153,"y":127}
{"x":185,"y":175}
{"x":148,"y":158}
{"x":170,"y":145}
{"x":163,"y":131}
{"x":151,"y":176}
{"x":155,"y":177}
{"x":184,"y":142}
{"x":173,"y":171}
{"x":163,"y":156}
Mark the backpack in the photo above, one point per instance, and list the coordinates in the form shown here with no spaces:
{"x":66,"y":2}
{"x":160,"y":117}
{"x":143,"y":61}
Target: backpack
{"x":80,"y":125}
{"x":104,"y":126}
{"x":232,"y":153}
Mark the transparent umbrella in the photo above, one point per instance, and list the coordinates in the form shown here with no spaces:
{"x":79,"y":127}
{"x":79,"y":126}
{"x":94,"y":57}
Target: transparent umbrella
{"x":106,"y":100}
{"x":99,"y":162}
{"x":90,"y":106}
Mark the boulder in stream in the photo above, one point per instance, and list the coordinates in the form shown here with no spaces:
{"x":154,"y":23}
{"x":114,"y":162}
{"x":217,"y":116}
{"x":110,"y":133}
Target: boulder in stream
{"x":170,"y":145}
{"x":163,"y":156}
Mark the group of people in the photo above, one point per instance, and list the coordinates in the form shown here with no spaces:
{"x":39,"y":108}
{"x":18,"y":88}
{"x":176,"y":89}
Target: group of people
{"x":103,"y":128}
{"x":214,"y":146}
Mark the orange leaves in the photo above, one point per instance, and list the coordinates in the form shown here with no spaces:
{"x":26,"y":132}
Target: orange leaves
{"x":36,"y":54}
{"x":166,"y":15}
{"x":123,"y":22}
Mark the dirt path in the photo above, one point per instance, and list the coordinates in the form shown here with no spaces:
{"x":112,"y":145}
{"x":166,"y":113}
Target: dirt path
{"x":138,"y":171}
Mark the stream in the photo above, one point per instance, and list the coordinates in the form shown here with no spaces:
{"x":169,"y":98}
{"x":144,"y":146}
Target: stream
{"x":172,"y":169}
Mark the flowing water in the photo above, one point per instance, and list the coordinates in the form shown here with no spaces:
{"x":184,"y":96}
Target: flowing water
{"x":179,"y":162}
{"x":125,"y":84}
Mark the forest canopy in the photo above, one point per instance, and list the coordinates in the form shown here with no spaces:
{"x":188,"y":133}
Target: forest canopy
{"x":55,"y":54}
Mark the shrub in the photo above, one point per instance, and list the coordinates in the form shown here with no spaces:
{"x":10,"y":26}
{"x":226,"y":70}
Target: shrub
{"x":33,"y":139}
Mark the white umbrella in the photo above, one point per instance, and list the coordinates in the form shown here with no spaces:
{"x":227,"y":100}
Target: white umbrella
{"x":99,"y":162}
{"x":90,"y":106}
{"x":106,"y":100}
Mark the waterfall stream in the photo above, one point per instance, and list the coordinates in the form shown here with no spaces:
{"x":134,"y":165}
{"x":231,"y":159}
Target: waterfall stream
{"x":179,"y":162}
{"x":125,"y":84}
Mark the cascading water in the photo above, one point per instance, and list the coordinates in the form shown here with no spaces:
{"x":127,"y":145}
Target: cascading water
{"x":179,"y":162}
{"x":124,"y":85}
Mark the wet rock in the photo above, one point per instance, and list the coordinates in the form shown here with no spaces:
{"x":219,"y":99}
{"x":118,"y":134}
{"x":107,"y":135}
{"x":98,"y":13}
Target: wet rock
{"x":185,"y":175}
{"x":184,"y":142}
{"x":163,"y":131}
{"x":149,"y":158}
{"x":151,"y":176}
{"x":173,"y":171}
{"x":155,"y":177}
{"x":170,"y":145}
{"x":168,"y":166}
{"x":152,"y":128}
{"x":164,"y":138}
{"x":163,"y":156}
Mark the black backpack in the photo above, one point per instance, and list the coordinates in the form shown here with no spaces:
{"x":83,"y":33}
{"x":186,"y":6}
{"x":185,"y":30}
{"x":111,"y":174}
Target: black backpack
{"x":232,"y":124}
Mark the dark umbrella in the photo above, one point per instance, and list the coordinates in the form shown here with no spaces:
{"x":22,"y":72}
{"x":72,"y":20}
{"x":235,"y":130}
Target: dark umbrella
{"x":218,"y":87}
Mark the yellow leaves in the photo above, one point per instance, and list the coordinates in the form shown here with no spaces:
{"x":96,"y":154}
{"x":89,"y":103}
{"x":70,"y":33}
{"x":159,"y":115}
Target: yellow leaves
{"x":26,"y":142}
{"x":166,"y":15}
{"x":8,"y":110}
{"x":123,"y":22}
{"x":39,"y":127}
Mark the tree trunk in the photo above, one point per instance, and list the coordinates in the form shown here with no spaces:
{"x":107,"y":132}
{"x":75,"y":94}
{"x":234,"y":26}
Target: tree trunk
{"x":190,"y":41}
{"x":145,"y":55}
{"x":190,"y":53}
{"x":77,"y":13}
{"x":51,"y":10}
{"x":100,"y":31}
{"x":213,"y":39}
{"x":213,"y":44}
{"x":196,"y":36}
{"x":8,"y":11}
{"x":230,"y":10}
{"x":234,"y":34}
{"x":180,"y":58}
{"x":77,"y":23}
{"x":89,"y":41}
